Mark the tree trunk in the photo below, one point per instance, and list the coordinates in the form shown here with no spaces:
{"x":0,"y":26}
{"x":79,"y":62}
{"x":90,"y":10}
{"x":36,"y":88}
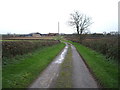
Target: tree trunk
{"x":81,"y":37}
{"x":77,"y":30}
{"x":81,"y":31}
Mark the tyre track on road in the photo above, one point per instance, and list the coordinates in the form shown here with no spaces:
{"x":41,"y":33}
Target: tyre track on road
{"x":82,"y":78}
{"x":51,"y":72}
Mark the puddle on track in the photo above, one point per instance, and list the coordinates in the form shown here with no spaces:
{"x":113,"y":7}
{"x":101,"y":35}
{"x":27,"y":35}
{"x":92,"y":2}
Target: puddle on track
{"x":62,"y":56}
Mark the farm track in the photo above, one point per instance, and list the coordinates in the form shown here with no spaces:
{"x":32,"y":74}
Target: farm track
{"x":81,"y":77}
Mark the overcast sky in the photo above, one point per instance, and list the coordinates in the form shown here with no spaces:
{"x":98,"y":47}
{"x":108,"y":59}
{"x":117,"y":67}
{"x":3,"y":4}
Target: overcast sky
{"x":27,"y":16}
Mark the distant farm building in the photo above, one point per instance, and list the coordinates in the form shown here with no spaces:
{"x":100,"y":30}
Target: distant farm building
{"x":53,"y":34}
{"x":35,"y":34}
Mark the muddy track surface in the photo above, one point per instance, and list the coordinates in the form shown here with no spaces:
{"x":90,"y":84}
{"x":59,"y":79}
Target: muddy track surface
{"x":81,"y":77}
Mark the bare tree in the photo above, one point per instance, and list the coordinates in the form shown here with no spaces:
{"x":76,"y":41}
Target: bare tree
{"x":80,"y":21}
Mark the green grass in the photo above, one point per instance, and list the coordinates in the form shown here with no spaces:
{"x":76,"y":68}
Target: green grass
{"x":64,"y":79}
{"x":21,"y":73}
{"x":105,"y":71}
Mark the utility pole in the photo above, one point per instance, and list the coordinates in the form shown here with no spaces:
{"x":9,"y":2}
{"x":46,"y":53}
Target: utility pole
{"x":58,"y":28}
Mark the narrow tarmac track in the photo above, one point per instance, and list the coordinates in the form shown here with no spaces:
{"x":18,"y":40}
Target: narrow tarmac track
{"x":82,"y":78}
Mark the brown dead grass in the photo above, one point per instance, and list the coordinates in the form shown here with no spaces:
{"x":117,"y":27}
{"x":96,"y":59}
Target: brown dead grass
{"x":25,"y":38}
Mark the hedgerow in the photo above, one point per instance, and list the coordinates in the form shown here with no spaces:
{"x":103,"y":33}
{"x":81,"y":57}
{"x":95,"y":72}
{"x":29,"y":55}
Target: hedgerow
{"x":107,"y":46}
{"x":13,"y":48}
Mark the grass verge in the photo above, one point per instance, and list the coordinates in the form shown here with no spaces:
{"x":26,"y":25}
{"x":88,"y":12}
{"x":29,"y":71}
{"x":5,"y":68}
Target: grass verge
{"x":64,"y":79}
{"x":21,"y":73}
{"x":105,"y":71}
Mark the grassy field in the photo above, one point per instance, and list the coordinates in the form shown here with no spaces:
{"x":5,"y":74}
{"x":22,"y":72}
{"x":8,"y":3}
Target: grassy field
{"x":64,"y":79}
{"x":105,"y":71}
{"x":23,"y":71}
